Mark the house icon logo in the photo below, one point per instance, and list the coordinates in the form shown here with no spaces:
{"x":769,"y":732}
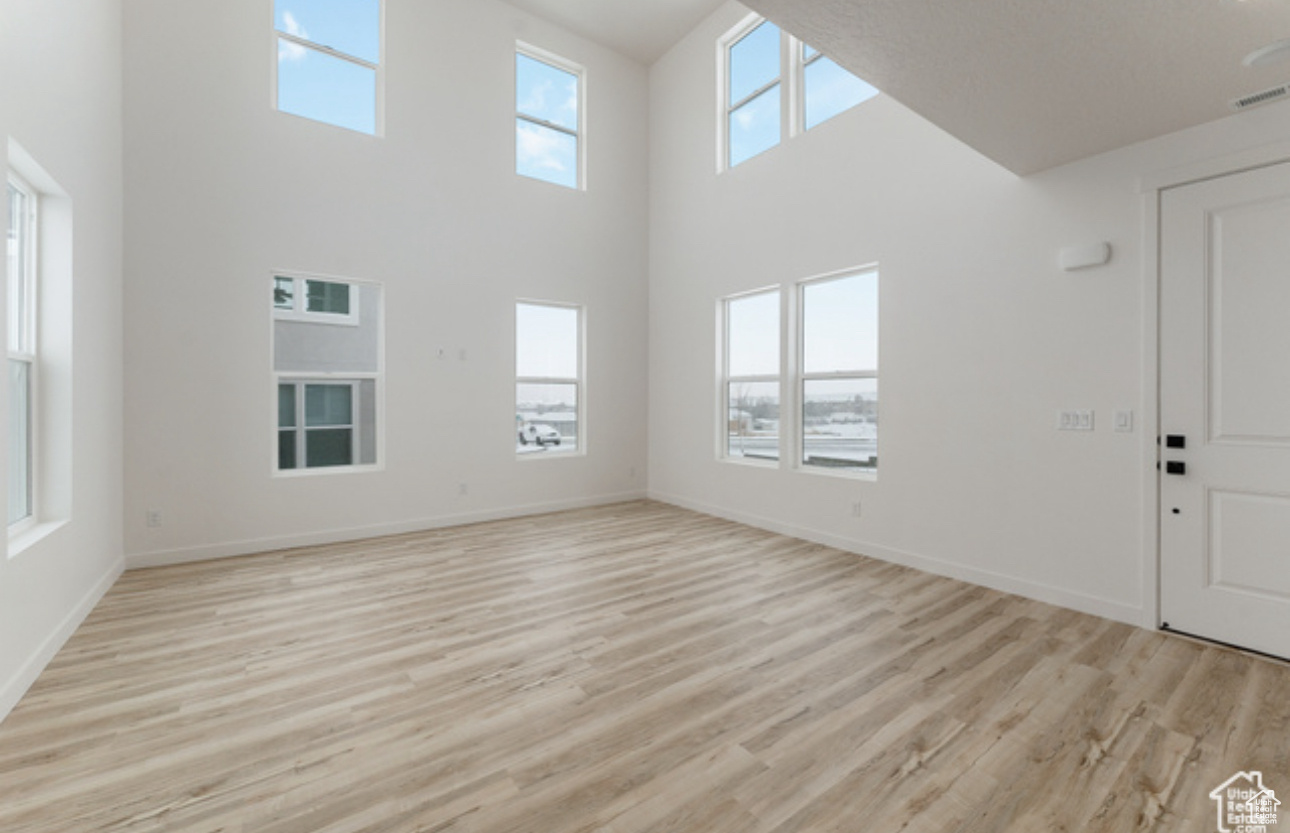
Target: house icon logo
{"x":1244,"y":804}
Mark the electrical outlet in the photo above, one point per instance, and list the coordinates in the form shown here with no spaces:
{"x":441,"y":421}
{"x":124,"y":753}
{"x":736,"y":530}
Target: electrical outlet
{"x":153,"y":518}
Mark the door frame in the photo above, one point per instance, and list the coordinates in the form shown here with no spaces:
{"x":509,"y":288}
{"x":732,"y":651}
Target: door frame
{"x":1152,"y":187}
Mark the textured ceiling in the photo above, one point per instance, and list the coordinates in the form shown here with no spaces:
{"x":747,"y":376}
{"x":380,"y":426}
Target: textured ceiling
{"x":639,"y":30}
{"x":1036,"y":83}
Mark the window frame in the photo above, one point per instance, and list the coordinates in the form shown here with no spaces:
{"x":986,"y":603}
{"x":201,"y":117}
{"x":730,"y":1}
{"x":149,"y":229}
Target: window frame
{"x":299,"y":310}
{"x":792,"y":378}
{"x":28,"y":352}
{"x":728,"y":108}
{"x":579,"y":133}
{"x":357,"y":377}
{"x":378,"y":68}
{"x":792,"y":76}
{"x":300,"y":382}
{"x":726,"y":380}
{"x":578,"y":382}
{"x":801,"y":377}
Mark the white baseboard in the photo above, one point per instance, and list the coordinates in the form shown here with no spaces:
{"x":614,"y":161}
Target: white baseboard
{"x":1106,"y":608}
{"x":185,"y":555}
{"x":16,"y":686}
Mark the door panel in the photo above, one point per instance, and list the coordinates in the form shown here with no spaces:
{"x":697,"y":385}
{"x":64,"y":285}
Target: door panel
{"x":1225,"y":387}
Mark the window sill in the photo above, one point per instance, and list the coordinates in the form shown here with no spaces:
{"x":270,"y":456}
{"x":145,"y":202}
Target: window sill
{"x":326,"y":470}
{"x":870,"y":475}
{"x":752,"y":462}
{"x":548,"y":454}
{"x":28,"y":536}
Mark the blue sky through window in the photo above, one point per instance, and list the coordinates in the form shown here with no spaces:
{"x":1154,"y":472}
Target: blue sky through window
{"x":320,"y":86}
{"x":349,"y":26}
{"x":830,"y":90}
{"x":755,"y":127}
{"x":753,"y":335}
{"x":546,"y":341}
{"x":754,"y":62}
{"x":548,"y":94}
{"x":840,"y":324}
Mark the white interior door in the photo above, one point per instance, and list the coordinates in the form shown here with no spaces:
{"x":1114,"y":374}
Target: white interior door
{"x":1225,"y":409}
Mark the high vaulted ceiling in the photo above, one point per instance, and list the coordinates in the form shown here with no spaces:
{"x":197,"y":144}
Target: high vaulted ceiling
{"x":1030,"y":84}
{"x":639,"y":29}
{"x":1036,"y":83}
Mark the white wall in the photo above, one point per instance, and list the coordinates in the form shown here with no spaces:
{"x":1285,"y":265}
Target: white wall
{"x":222,"y":190}
{"x":61,"y":103}
{"x":983,"y":338}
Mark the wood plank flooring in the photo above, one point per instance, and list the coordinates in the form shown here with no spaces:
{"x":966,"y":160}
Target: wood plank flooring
{"x":619,"y":670}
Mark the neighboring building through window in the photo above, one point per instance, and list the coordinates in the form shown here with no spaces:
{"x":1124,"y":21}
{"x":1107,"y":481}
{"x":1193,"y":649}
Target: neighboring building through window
{"x":549,"y":117}
{"x":20,"y":264}
{"x":756,"y":56}
{"x":548,"y":378}
{"x":327,"y":362}
{"x":751,"y":376}
{"x":839,"y":379}
{"x":314,"y":299}
{"x":329,"y":61}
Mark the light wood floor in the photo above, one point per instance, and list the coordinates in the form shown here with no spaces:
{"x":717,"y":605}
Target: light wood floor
{"x":630,"y":668}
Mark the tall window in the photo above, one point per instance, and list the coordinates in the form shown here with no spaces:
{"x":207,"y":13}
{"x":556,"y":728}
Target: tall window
{"x":751,"y":376}
{"x":752,"y":92}
{"x":839,"y":379}
{"x":327,"y":363}
{"x":548,"y":117}
{"x":756,"y":57}
{"x":548,"y":377}
{"x":20,"y":268}
{"x":329,"y":61}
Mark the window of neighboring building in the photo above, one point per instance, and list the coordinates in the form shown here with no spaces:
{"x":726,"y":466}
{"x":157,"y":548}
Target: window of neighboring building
{"x":755,"y":57}
{"x":751,"y":376}
{"x":329,"y":61}
{"x":327,"y":377}
{"x":548,"y":378}
{"x":21,"y":253}
{"x":312,"y":299}
{"x":548,"y":117}
{"x":316,"y":424}
{"x":839,"y":378}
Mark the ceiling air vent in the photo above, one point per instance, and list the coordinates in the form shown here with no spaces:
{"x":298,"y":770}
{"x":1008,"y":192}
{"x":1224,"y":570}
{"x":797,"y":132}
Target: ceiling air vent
{"x":1254,"y":100}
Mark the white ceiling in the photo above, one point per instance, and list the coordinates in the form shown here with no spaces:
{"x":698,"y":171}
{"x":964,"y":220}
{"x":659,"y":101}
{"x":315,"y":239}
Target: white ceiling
{"x":1029,"y":83}
{"x":1037,"y":83}
{"x":642,"y":30}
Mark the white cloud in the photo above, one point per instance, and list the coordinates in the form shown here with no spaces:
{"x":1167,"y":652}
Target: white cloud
{"x":571,"y":102}
{"x":540,"y":149}
{"x":288,"y":51}
{"x":535,"y":101}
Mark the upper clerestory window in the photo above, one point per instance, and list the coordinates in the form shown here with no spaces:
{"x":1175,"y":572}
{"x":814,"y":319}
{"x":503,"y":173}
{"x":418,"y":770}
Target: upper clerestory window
{"x":774,"y":85}
{"x":549,"y":95}
{"x":329,"y":62}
